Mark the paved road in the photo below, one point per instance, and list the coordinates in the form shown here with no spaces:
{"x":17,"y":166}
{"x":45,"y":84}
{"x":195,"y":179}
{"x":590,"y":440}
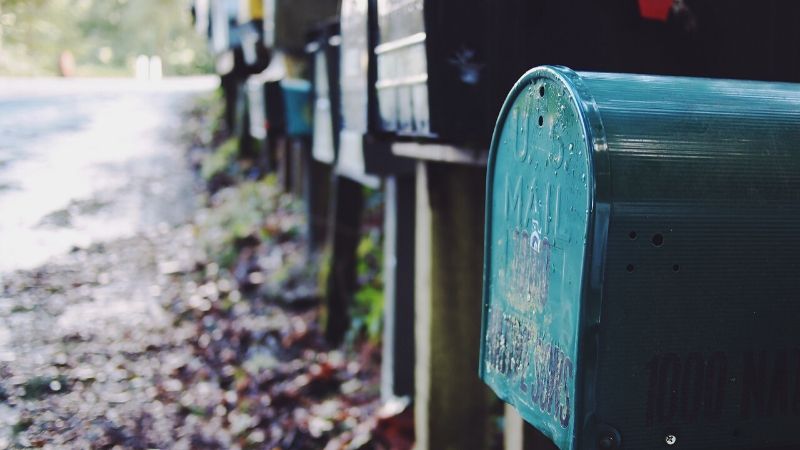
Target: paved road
{"x":88,"y":160}
{"x":82,"y":162}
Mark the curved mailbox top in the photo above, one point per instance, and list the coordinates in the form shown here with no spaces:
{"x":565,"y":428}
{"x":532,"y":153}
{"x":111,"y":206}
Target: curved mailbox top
{"x":641,"y":252}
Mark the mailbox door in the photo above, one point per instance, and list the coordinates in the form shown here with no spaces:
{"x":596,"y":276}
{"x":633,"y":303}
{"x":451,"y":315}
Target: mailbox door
{"x":202,"y":20}
{"x":256,"y":109}
{"x":355,"y":64}
{"x":354,"y":80}
{"x":402,"y":67}
{"x":220,"y":26}
{"x":323,"y":130}
{"x":539,"y":204}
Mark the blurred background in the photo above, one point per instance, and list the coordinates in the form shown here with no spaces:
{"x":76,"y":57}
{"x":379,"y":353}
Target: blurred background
{"x":97,"y":38}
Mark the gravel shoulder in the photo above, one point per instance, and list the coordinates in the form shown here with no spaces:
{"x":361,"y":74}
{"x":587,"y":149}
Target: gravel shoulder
{"x":150,"y":341}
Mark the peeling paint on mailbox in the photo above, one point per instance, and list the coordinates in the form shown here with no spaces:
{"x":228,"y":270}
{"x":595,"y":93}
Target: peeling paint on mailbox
{"x":538,"y":218}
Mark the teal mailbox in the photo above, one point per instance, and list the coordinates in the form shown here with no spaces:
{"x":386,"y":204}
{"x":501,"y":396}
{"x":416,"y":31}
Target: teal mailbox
{"x":642,"y":271}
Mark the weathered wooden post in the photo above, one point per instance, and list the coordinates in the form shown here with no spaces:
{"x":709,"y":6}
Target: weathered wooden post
{"x":452,"y":407}
{"x":347,"y":205}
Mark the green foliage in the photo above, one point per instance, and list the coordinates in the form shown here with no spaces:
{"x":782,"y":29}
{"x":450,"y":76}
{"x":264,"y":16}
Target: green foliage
{"x":203,"y":122}
{"x":40,"y":386}
{"x":23,"y":424}
{"x":222,"y":160}
{"x":105,"y":36}
{"x":251,"y":209}
{"x":367,"y":311}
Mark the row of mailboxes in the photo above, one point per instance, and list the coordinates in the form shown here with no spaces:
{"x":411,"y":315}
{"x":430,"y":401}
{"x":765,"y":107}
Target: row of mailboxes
{"x":287,"y":22}
{"x":279,"y":108}
{"x":274,"y":24}
{"x":235,"y":34}
{"x":243,"y":34}
{"x":422,"y":69}
{"x":641,"y":273}
{"x":342,"y":72}
{"x":443,"y":66}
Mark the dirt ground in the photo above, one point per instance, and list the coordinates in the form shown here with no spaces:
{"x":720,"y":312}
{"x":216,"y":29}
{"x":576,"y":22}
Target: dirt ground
{"x":147,"y":341}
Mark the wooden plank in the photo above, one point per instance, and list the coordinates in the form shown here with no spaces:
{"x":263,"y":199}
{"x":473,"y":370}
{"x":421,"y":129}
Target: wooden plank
{"x":441,"y":153}
{"x":520,"y":435}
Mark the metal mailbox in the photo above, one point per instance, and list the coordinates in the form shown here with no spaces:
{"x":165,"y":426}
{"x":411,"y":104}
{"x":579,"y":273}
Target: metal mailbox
{"x":278,"y":107}
{"x":444,"y":65}
{"x":201,"y":11}
{"x":287,"y":21}
{"x":225,"y":34}
{"x":429,"y":59}
{"x":225,"y":42}
{"x":251,"y":10}
{"x":323,"y":51}
{"x":356,"y":80}
{"x":641,"y":272}
{"x":297,"y":104}
{"x":256,"y":107}
{"x":251,"y":31}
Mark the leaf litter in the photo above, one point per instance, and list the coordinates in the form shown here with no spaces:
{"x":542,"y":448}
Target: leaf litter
{"x":200,"y":336}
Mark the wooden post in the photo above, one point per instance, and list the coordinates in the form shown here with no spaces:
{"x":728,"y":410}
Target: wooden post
{"x":519,"y":435}
{"x":270,"y":158}
{"x":347,"y":205}
{"x":299,"y":157}
{"x":247,"y":147}
{"x":282,"y":157}
{"x":397,"y":371}
{"x":318,"y":181}
{"x":452,"y":404}
{"x":230,"y":84}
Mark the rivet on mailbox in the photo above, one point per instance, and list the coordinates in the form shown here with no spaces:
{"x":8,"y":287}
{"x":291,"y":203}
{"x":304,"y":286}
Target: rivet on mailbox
{"x":641,"y":260}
